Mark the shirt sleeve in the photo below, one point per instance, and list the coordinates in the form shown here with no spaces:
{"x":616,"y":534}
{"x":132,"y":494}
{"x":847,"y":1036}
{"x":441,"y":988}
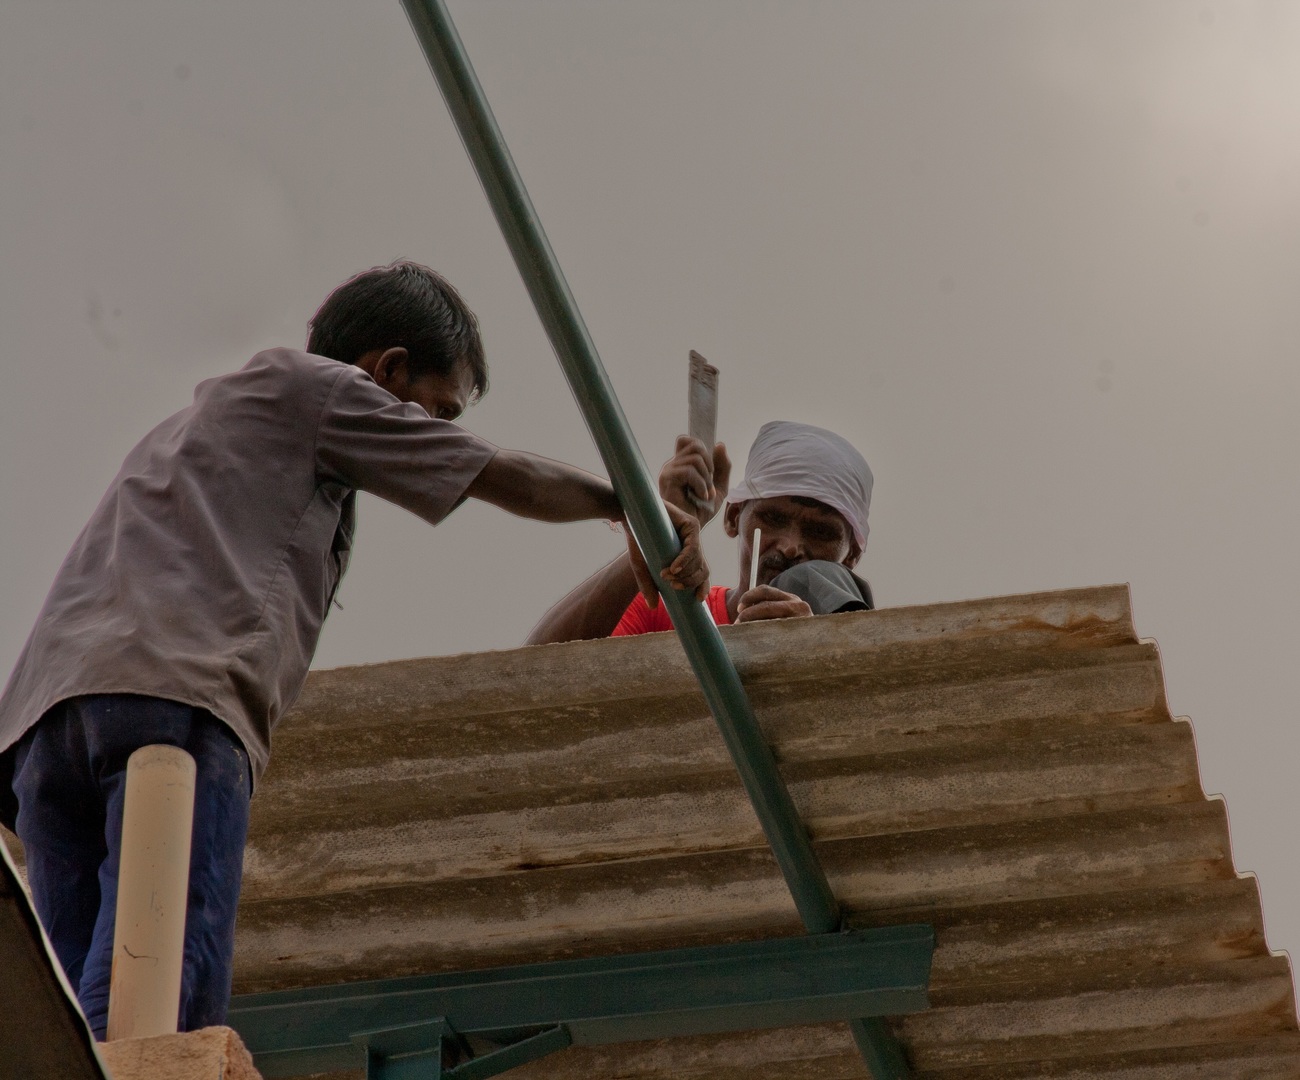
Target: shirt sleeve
{"x":369,"y":440}
{"x":637,"y":619}
{"x":718,"y":605}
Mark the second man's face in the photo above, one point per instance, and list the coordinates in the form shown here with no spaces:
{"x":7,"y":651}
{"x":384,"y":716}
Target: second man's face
{"x":794,"y":530}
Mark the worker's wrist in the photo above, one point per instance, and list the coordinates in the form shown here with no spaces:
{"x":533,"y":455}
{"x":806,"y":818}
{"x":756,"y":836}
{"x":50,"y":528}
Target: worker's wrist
{"x":616,"y":515}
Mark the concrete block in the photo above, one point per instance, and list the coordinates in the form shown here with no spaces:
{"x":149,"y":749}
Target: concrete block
{"x":213,"y":1053}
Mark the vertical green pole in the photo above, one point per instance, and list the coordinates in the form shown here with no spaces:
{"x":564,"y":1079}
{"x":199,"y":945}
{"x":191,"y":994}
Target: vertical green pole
{"x":636,"y":490}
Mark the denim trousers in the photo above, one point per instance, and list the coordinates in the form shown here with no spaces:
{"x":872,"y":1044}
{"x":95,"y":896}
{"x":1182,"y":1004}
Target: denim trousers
{"x":70,"y":782}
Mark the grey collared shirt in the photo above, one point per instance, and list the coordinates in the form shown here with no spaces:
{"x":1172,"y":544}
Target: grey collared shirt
{"x":207,"y":569}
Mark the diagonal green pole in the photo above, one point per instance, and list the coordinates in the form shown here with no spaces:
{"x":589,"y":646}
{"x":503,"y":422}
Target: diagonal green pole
{"x":609,"y":428}
{"x":582,"y":366}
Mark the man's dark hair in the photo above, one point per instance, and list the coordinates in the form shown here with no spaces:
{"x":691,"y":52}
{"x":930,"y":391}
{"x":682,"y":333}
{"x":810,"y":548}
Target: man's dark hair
{"x":402,"y":304}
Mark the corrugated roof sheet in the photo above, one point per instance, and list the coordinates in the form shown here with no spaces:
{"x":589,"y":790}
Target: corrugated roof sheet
{"x":1006,"y":769}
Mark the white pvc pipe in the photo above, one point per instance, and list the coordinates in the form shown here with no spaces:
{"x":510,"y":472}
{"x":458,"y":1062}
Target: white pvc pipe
{"x":152,"y":884}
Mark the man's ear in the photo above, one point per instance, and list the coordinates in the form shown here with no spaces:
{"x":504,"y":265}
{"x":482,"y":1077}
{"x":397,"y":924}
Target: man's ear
{"x":731,"y":519}
{"x":390,"y":368}
{"x":855,"y":553}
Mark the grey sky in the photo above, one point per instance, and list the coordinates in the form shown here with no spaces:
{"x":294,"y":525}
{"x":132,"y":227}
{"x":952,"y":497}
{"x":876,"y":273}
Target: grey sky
{"x":1037,"y":260}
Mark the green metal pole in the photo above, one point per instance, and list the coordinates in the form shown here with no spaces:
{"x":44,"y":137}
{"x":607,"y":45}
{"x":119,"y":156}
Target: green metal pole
{"x":609,"y":428}
{"x":636,"y":490}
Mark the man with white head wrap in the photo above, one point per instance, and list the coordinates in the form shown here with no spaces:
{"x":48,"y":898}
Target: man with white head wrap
{"x":807,"y":491}
{"x":802,"y":486}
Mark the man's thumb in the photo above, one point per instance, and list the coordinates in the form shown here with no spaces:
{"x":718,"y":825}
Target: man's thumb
{"x":721,"y":470}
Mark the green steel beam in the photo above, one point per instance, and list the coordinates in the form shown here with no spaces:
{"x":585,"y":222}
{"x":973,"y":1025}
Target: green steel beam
{"x":591,"y":388}
{"x":408,"y":1052}
{"x":547,"y":1041}
{"x":414,"y":1052}
{"x":589,"y":1002}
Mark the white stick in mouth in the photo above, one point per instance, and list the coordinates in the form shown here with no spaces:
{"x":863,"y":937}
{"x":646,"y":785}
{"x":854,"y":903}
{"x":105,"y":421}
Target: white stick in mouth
{"x":753,"y":558}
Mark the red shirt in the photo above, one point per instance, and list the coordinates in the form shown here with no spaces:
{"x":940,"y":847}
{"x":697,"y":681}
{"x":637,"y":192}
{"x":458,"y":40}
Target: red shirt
{"x":639,"y":618}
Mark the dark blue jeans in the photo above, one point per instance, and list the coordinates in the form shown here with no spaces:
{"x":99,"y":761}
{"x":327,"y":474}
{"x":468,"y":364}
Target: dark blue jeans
{"x":70,"y":781}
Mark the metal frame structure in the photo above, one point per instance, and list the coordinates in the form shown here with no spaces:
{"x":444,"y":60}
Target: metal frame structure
{"x":719,"y":681}
{"x":398,"y":1028}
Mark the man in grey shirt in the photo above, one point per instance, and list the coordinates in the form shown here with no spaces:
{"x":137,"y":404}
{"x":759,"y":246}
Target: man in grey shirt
{"x":189,"y":607}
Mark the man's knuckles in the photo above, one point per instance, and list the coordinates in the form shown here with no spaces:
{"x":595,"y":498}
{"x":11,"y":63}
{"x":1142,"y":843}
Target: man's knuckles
{"x":766,"y":593}
{"x":765,"y":602}
{"x":766,"y":612}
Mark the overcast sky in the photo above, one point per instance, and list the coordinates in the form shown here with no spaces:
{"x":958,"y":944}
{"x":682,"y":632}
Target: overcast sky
{"x":1038,"y":261}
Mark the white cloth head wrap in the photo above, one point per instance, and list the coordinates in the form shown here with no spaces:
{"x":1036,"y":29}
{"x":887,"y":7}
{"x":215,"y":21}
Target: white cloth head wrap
{"x":798,"y":459}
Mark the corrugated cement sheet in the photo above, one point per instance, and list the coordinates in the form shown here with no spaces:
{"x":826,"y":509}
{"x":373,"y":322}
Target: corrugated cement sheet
{"x":1006,"y":769}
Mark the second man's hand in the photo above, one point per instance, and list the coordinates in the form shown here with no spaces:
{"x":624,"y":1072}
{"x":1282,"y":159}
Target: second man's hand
{"x":695,"y":479}
{"x":768,"y":602}
{"x":688,"y":572}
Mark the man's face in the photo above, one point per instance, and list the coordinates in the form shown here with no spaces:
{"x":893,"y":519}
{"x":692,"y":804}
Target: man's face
{"x":444,"y":397}
{"x":794,"y":530}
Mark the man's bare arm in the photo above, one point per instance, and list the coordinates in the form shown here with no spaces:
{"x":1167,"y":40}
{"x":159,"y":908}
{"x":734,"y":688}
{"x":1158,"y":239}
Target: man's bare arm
{"x":592,"y":609}
{"x":544,"y":490}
